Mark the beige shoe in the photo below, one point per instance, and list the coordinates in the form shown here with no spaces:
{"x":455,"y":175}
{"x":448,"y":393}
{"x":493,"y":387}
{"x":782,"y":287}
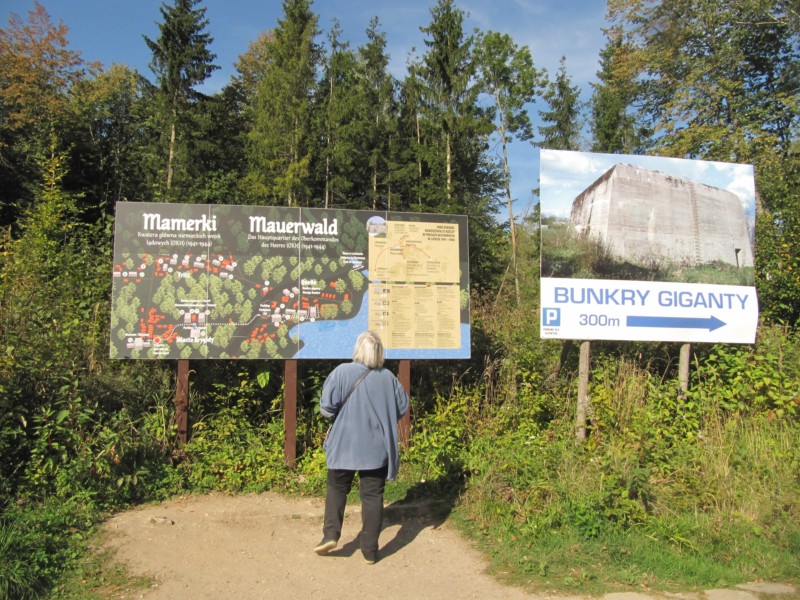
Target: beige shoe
{"x":325,"y":546}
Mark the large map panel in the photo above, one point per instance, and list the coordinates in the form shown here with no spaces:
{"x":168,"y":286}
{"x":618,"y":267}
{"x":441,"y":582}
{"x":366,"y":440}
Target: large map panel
{"x":233,"y":282}
{"x":411,"y":251}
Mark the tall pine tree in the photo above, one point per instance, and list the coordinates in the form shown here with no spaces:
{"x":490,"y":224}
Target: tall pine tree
{"x":449,"y":99}
{"x":614,"y":121}
{"x":181,"y":61}
{"x":377,"y":92}
{"x":280,"y":145}
{"x":336,"y":109}
{"x":561,"y":129}
{"x":406,"y":153}
{"x":459,"y":176}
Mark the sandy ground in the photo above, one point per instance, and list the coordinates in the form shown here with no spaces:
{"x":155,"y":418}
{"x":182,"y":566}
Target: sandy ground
{"x":260,"y":546}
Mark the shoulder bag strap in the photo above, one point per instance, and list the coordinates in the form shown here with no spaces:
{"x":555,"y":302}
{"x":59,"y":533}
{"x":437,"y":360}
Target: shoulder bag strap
{"x":341,"y":406}
{"x":355,"y":385}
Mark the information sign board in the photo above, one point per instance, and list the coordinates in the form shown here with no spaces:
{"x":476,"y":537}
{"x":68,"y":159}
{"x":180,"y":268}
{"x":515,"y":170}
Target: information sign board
{"x":604,"y":309}
{"x":232,"y":282}
{"x":647,"y":248}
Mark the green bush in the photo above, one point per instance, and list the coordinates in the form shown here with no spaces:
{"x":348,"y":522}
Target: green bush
{"x":760,"y":379}
{"x":311,"y":472}
{"x":39,"y":542}
{"x":227,"y":452}
{"x":441,"y":436}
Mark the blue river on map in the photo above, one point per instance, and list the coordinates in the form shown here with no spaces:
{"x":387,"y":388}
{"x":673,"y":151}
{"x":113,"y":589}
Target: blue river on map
{"x":336,"y":338}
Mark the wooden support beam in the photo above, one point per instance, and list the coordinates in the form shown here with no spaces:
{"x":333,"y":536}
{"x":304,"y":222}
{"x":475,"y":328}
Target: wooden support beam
{"x":583,"y":392}
{"x":683,"y":367}
{"x":182,"y":401}
{"x":290,"y":412}
{"x":404,"y":426}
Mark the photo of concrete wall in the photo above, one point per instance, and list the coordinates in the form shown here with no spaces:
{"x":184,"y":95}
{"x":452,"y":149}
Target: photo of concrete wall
{"x":644,"y":215}
{"x":646,"y":218}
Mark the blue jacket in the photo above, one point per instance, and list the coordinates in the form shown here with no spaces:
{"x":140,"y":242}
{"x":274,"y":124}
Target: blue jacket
{"x":364,"y":435}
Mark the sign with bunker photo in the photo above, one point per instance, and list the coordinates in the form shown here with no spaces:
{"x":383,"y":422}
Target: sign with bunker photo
{"x":195,"y":281}
{"x":646,"y":248}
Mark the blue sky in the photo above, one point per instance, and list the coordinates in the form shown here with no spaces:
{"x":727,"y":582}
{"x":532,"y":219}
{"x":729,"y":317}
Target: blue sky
{"x":564,"y":175}
{"x":110,"y":31}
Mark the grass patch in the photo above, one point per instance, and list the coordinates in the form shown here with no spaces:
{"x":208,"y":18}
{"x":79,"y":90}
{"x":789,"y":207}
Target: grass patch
{"x":39,"y":542}
{"x":566,"y":254}
{"x":564,"y":561}
{"x":668,"y":493}
{"x":98,"y":576}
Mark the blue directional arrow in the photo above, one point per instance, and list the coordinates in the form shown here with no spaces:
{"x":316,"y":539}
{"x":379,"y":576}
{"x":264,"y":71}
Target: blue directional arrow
{"x":710,"y":323}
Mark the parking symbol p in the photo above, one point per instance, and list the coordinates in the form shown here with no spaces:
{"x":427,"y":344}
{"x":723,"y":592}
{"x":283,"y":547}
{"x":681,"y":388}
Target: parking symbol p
{"x":551,"y":317}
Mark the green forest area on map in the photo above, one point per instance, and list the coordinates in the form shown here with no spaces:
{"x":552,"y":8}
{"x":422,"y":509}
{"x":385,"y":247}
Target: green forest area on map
{"x":243,"y":310}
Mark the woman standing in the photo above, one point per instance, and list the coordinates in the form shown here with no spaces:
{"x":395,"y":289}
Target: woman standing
{"x":366,"y":402}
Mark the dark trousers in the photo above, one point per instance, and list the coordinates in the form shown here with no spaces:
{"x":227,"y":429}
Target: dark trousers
{"x":370,"y":487}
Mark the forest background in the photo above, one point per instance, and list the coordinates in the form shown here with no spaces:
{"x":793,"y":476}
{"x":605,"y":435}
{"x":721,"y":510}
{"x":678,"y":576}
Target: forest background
{"x":668,"y":488}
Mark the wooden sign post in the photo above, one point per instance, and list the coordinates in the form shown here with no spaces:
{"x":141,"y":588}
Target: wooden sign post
{"x":182,"y":402}
{"x":290,"y":412}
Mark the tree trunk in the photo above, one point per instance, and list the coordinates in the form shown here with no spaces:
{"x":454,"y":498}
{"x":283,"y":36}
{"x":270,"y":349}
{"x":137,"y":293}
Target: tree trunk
{"x":389,"y":180}
{"x":374,"y":188}
{"x":419,"y":160}
{"x":512,"y":226}
{"x":327,"y":180}
{"x":171,"y":155}
{"x":449,"y":170}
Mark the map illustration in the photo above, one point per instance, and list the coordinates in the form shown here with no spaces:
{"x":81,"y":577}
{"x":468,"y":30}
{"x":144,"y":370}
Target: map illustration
{"x":248,"y":282}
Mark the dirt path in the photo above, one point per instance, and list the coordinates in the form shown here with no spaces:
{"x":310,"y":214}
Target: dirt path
{"x":259,"y":546}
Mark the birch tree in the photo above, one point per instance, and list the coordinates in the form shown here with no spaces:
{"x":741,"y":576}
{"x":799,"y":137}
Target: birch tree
{"x":508,"y":76}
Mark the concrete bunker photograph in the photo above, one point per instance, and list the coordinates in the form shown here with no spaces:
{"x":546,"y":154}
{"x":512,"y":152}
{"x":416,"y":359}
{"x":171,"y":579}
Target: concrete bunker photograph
{"x":643,"y":215}
{"x":645,"y":218}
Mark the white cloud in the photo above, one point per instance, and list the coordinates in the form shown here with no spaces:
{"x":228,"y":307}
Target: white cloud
{"x":743,"y":186}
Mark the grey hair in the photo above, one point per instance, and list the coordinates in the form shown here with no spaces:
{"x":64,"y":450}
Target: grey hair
{"x":369,"y":350}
